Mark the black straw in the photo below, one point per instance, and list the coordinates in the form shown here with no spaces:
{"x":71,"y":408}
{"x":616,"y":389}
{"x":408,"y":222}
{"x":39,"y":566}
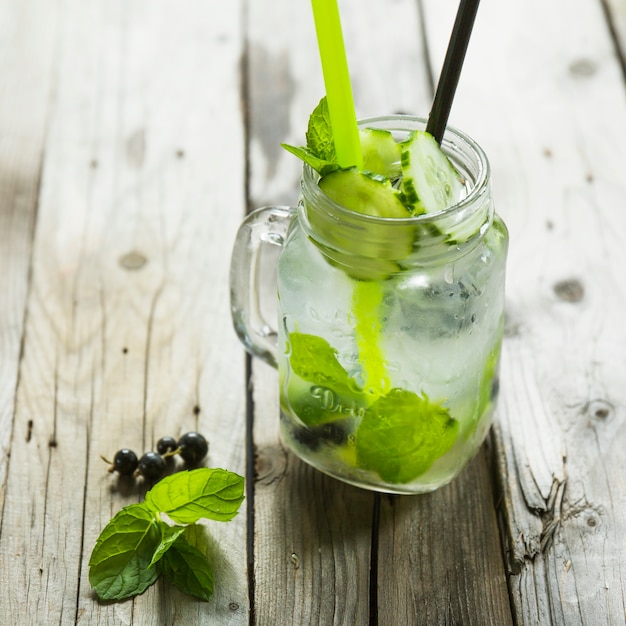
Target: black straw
{"x":451,"y":69}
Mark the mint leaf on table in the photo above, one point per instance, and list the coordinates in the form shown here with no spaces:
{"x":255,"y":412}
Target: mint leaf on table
{"x":402,"y":434}
{"x":119,"y":566}
{"x":186,"y":567}
{"x":206,"y":493}
{"x":136,"y":546}
{"x":319,"y":152}
{"x":169,"y":534}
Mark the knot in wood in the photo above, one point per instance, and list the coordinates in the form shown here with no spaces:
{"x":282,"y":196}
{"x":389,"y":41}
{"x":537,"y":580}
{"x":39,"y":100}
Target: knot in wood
{"x":583,"y":68}
{"x":133,"y":260}
{"x":570,"y":290}
{"x":270,"y":464}
{"x":599,"y":409}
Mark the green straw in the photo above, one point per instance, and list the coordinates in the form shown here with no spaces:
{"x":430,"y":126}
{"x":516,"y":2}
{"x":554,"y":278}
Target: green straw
{"x":337,"y":83}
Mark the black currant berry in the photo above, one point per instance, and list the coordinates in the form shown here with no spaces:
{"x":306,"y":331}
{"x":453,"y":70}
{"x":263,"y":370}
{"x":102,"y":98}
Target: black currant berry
{"x":166,"y":444}
{"x":152,"y":466}
{"x":193,"y":448}
{"x":125,"y":462}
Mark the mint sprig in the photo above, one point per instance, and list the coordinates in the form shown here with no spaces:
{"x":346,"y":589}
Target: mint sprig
{"x":319,"y":152}
{"x":137,"y":545}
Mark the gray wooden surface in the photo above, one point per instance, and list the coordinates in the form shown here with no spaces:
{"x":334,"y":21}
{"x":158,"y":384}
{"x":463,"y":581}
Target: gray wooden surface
{"x":134,"y":136}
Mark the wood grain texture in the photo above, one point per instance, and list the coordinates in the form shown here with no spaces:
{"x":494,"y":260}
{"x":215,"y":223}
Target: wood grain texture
{"x":552,"y":120}
{"x":24,"y":108}
{"x":128,"y":333}
{"x":439,"y":555}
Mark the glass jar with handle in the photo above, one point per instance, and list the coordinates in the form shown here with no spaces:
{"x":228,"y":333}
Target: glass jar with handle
{"x":388,"y":334}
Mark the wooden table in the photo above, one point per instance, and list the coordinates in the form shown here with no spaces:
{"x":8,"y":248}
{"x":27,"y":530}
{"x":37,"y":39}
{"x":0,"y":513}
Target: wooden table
{"x":134,"y":136}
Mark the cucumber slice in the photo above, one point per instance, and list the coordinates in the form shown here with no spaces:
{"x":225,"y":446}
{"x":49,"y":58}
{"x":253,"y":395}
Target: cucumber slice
{"x":371,"y":253}
{"x":430,"y":182}
{"x":381,"y":152}
{"x":363,"y":193}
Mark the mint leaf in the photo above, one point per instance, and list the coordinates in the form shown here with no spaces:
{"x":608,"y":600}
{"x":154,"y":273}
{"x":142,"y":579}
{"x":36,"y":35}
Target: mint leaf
{"x":189,"y":496}
{"x":315,"y":360}
{"x":187,"y":568}
{"x":402,"y":434}
{"x":136,"y":546}
{"x":321,"y":166}
{"x":333,"y":394}
{"x":169,"y":534}
{"x":197,"y":536}
{"x":319,"y":134}
{"x":119,"y":566}
{"x":320,"y":151}
{"x":314,"y":406}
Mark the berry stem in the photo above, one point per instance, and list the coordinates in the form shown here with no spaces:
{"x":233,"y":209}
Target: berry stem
{"x":111,"y":467}
{"x":167,"y":455}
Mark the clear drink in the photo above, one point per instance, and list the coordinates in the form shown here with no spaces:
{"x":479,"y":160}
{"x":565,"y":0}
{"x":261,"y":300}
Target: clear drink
{"x":389,"y":330}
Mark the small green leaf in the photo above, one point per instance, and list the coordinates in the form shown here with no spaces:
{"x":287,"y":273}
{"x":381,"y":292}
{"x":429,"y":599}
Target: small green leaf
{"x":315,"y":360}
{"x":169,"y":534}
{"x":320,"y":151}
{"x":119,"y":563}
{"x":332,"y":394}
{"x":402,"y":434}
{"x":187,"y":568}
{"x":321,"y":166}
{"x":319,"y":134}
{"x":191,"y":495}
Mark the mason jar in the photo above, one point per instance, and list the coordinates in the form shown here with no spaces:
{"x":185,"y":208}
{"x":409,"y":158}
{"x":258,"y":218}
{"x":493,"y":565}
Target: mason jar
{"x":388,"y":334}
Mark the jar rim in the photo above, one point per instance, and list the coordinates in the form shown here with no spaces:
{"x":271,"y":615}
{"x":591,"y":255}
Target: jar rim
{"x":455,"y":143}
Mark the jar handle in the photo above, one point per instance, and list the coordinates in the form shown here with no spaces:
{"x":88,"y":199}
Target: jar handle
{"x":267,"y":225}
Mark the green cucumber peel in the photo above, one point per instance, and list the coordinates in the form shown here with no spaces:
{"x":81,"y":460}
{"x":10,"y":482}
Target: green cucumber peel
{"x":430,"y":183}
{"x":137,"y":545}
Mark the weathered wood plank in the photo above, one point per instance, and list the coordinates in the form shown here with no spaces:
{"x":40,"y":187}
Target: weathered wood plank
{"x":551,"y":117}
{"x":24,"y":107}
{"x":389,"y":74}
{"x":616,"y":16}
{"x":442,"y":555}
{"x":135,"y":223}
